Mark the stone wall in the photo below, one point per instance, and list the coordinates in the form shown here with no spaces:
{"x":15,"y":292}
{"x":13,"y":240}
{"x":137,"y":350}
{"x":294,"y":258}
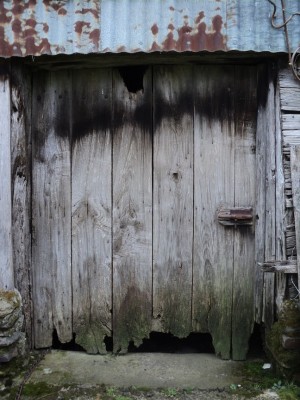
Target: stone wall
{"x":12,"y":337}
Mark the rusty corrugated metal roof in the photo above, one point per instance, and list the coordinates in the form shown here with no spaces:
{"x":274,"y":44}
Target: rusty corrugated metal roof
{"x":36,"y":27}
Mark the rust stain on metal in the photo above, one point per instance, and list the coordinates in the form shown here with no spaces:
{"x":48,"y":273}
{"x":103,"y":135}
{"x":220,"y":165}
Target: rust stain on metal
{"x":79,"y":25}
{"x":95,"y":37}
{"x":62,"y":11}
{"x":31,"y":22}
{"x":24,"y":29}
{"x":88,"y":10}
{"x":53,"y":4}
{"x":45,"y":27}
{"x":18,"y":8}
{"x":194,"y":37}
{"x":121,"y":49}
{"x":4,"y":18}
{"x":154,"y":29}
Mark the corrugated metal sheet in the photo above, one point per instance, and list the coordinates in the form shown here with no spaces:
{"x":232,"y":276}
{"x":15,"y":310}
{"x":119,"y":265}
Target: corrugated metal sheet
{"x":35,"y":27}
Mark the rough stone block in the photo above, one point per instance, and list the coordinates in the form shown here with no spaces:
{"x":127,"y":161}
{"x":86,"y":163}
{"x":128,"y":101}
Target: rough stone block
{"x":12,"y":339}
{"x":290,"y":343}
{"x":17,"y":327}
{"x":10,"y":308}
{"x":9,"y":340}
{"x":292,"y":331}
{"x":8,"y":353}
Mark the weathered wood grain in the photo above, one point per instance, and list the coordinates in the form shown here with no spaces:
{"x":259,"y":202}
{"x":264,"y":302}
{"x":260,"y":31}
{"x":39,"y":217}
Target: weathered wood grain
{"x":245,"y":109}
{"x":173,"y":198}
{"x":132,"y":212}
{"x":290,"y":99}
{"x":280,"y":202}
{"x":6,"y":261}
{"x":286,"y":267}
{"x":260,"y":225}
{"x":269,"y":131}
{"x":91,"y":208}
{"x":290,"y":121}
{"x":51,"y":208}
{"x":213,"y":189}
{"x":295,"y":171}
{"x":287,"y":79}
{"x":21,"y":187}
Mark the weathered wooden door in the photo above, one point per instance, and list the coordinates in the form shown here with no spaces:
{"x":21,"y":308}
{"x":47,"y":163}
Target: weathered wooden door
{"x":128,"y":179}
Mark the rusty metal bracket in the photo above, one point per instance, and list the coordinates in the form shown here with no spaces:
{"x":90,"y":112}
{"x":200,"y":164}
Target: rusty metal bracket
{"x":235,"y":216}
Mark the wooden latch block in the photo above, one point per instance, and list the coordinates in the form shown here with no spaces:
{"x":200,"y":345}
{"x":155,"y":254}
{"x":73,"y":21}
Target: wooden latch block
{"x":235,"y":216}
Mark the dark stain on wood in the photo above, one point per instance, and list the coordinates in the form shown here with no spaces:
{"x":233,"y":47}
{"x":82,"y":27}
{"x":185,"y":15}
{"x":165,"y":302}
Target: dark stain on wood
{"x":174,"y":317}
{"x":57,"y":96}
{"x":265,"y":76}
{"x":132,"y":319}
{"x":89,"y":118}
{"x":184,"y":104}
{"x":4,"y":71}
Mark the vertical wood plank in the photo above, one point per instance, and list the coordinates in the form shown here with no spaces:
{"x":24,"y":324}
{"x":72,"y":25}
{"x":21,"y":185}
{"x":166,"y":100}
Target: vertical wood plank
{"x":295,"y":172}
{"x":6,"y":262}
{"x":213,"y":188}
{"x":51,"y":208}
{"x":21,"y":187}
{"x":173,"y":198}
{"x":245,"y":109}
{"x":281,"y":281}
{"x":270,"y":210}
{"x":91,"y":208}
{"x":132,"y":210}
{"x":260,"y":223}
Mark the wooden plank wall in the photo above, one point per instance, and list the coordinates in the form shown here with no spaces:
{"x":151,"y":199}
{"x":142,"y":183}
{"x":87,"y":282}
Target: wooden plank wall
{"x":82,"y":152}
{"x":290,"y":122}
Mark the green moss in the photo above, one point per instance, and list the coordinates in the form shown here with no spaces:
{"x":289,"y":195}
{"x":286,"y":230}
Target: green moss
{"x":289,"y":391}
{"x":35,"y":390}
{"x":90,"y":336}
{"x":286,"y":359}
{"x":290,"y":314}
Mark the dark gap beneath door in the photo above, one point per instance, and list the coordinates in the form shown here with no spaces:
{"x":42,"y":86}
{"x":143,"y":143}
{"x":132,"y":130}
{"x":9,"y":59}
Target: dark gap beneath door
{"x":73,"y":346}
{"x":167,"y":343}
{"x":256,"y":343}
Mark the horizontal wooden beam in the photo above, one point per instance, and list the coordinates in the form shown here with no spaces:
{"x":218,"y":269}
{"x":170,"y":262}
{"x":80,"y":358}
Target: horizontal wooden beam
{"x":286,"y":267}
